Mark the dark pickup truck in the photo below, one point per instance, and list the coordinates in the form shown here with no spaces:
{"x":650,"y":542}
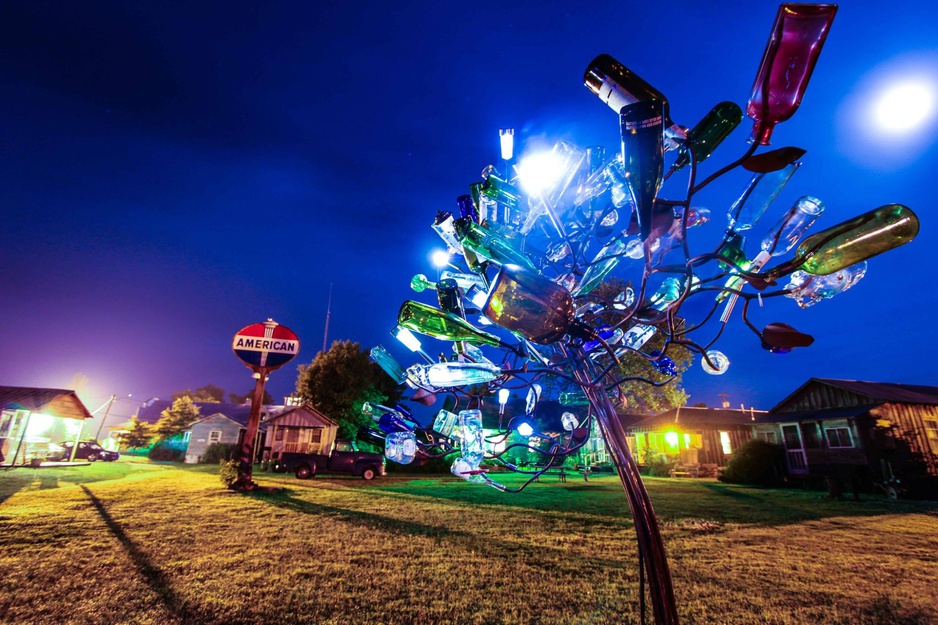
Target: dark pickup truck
{"x":345,"y":458}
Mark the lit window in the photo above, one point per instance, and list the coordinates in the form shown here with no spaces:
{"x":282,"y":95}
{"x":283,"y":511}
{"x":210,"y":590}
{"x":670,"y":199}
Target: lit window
{"x":839,"y":437}
{"x":725,"y":443}
{"x":186,"y":436}
{"x":214,"y":436}
{"x":671,"y":439}
{"x":687,"y":441}
{"x":931,"y":431}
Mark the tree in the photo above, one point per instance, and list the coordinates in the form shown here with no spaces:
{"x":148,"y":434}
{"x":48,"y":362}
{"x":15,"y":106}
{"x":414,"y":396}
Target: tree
{"x":138,"y":434}
{"x":234,"y":398}
{"x":205,"y":394}
{"x":340,"y":380}
{"x":177,"y":418}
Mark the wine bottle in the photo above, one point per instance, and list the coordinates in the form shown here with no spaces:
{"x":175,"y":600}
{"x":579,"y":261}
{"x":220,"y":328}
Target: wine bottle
{"x":604,"y":262}
{"x":618,"y":86}
{"x":855,"y":240}
{"x":525,"y":302}
{"x":643,"y":157}
{"x":472,"y":445}
{"x":489,"y":245}
{"x":791,"y":227}
{"x":380,"y":356}
{"x":502,"y":191}
{"x":450,"y":297}
{"x":790,"y":55}
{"x":400,"y":447}
{"x":709,"y":133}
{"x":420,"y":283}
{"x":434,"y":322}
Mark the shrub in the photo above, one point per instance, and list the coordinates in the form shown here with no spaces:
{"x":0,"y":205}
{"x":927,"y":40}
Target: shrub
{"x":166,"y":451}
{"x":756,"y":462}
{"x":229,"y":471}
{"x":217,"y":452}
{"x":657,"y":468}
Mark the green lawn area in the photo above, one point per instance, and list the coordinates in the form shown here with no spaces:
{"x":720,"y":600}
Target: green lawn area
{"x":134,"y":542}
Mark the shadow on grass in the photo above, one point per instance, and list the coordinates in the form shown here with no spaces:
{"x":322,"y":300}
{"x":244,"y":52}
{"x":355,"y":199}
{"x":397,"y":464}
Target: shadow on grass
{"x":283,"y":499}
{"x":152,"y":575}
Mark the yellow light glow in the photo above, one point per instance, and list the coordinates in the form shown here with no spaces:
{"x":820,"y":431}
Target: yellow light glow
{"x":687,"y":441}
{"x":725,"y":443}
{"x":671,"y":439}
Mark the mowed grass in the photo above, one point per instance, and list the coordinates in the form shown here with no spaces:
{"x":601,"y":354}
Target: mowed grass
{"x":131,"y":542}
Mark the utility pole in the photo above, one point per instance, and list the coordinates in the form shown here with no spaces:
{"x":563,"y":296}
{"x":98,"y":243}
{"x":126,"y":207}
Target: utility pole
{"x":108,"y":410}
{"x":723,"y":396}
{"x":325,"y":332}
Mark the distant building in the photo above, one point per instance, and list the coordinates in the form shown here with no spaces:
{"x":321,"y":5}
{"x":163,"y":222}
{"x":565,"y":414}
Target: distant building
{"x":33,"y":418}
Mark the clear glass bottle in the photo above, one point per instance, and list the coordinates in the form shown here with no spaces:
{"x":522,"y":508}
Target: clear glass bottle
{"x":400,"y":447}
{"x":452,"y":374}
{"x":789,"y":229}
{"x":489,"y":245}
{"x":790,"y":55}
{"x":758,"y":194}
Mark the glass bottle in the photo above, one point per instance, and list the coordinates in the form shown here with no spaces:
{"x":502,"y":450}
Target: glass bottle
{"x":808,"y":290}
{"x":445,"y":423}
{"x":709,"y":133}
{"x":643,"y":156}
{"x":604,"y":262}
{"x":530,"y":304}
{"x":380,"y":356}
{"x":443,"y":226}
{"x":450,"y":374}
{"x":790,"y":55}
{"x":400,"y":447}
{"x":467,"y":208}
{"x":481,"y":241}
{"x":855,"y":240}
{"x":718,"y":364}
{"x":732,"y":254}
{"x":472,"y":445}
{"x":434,"y":322}
{"x":573,"y":398}
{"x":791,"y":227}
{"x":758,"y":194}
{"x":420,"y":283}
{"x":618,"y":86}
{"x":502,"y":191}
{"x":450,"y":297}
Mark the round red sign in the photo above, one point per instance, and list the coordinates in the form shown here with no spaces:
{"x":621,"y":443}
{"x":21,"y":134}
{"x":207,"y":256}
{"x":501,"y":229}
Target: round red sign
{"x":267,"y":345}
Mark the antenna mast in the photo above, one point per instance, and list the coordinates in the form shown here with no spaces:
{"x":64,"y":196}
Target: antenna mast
{"x":325,"y":332}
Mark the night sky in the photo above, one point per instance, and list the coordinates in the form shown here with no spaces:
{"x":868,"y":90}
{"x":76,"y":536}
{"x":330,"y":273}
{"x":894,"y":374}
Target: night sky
{"x":174,"y":171}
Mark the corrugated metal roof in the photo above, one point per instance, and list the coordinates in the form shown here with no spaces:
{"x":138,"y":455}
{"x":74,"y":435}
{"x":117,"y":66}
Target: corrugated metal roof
{"x":877,"y":391}
{"x":693,"y":416}
{"x":51,"y":401}
{"x":815,"y":415}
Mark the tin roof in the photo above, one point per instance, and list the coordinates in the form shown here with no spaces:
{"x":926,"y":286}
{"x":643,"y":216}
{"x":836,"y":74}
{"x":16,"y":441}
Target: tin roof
{"x":51,"y":401}
{"x":688,"y":416}
{"x":876,"y":391}
{"x":151,"y":412}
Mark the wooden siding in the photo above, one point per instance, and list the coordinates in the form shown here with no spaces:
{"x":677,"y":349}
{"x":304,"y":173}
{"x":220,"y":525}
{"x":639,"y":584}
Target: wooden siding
{"x":907,"y":423}
{"x":820,"y":396}
{"x":199,"y":436}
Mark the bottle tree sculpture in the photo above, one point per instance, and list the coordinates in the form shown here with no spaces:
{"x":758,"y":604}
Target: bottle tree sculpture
{"x":535,"y":257}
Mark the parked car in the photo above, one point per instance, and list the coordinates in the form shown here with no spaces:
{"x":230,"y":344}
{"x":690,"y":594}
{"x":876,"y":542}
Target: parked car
{"x":87,"y":450}
{"x":345,"y":458}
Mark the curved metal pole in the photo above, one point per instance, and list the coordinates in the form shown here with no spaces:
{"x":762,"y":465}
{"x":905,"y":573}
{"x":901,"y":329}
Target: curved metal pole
{"x":650,"y":543}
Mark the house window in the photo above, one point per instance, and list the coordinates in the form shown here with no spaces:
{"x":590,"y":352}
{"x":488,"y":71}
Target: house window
{"x":214,"y":436}
{"x":811,"y":434}
{"x":768,"y":437}
{"x":725,"y":443}
{"x":931,"y":431}
{"x":839,"y":437}
{"x":186,"y":436}
{"x":279,"y":435}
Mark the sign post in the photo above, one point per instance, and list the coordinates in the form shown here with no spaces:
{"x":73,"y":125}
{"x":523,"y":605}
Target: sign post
{"x":262,"y":347}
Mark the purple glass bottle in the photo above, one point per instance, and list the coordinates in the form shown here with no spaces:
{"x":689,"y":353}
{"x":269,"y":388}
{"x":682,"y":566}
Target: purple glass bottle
{"x":790,"y":56}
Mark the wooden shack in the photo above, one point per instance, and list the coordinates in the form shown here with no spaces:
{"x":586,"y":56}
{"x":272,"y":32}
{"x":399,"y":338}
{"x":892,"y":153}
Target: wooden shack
{"x":829,"y":426}
{"x":690,"y":436}
{"x":300,"y":429}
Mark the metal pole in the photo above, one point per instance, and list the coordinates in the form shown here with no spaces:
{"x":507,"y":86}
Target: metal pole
{"x":325,"y":332}
{"x":106,"y":412}
{"x":650,"y":543}
{"x":246,"y":467}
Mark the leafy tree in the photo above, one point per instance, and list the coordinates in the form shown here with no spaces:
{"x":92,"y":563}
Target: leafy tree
{"x":340,"y":380}
{"x":177,"y":418}
{"x":234,"y":398}
{"x":138,"y":434}
{"x":206,"y":394}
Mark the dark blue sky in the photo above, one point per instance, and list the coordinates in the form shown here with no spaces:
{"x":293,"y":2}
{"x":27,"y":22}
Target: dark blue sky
{"x":174,"y":171}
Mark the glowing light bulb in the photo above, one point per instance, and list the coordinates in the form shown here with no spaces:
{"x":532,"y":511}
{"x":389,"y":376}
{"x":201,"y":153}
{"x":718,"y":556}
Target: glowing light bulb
{"x":904,"y":107}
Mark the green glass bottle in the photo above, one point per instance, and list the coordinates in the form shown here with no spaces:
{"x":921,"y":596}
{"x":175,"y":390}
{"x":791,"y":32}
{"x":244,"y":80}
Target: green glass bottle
{"x":709,"y":133}
{"x":442,"y":325}
{"x":856,"y":240}
{"x":502,"y":191}
{"x":732,"y":254}
{"x":483,"y":242}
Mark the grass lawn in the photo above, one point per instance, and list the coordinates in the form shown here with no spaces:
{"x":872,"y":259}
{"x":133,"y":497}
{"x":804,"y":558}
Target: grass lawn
{"x":133,"y":542}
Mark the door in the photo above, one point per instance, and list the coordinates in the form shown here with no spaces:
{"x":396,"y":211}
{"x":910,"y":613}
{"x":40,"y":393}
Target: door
{"x":795,"y":457}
